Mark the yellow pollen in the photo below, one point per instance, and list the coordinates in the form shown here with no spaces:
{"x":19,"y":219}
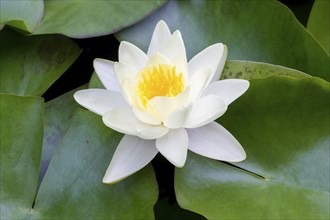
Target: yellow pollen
{"x":159,"y":80}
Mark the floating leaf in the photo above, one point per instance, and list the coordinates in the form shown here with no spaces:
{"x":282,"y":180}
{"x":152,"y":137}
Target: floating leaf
{"x":30,"y":65}
{"x":21,"y":139}
{"x":254,"y":70}
{"x":82,"y":19}
{"x":283,"y":124}
{"x":319,"y":23}
{"x":24,"y":15}
{"x":58,"y":113}
{"x":266,"y":32}
{"x":73,"y":188}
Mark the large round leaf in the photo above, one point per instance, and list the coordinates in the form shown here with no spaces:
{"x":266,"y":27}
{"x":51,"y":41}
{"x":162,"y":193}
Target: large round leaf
{"x":238,"y":69}
{"x":21,"y":139}
{"x":30,"y":65}
{"x":58,"y":113}
{"x":82,"y":19}
{"x":25,"y":15}
{"x":319,"y":23}
{"x":266,"y":32}
{"x":283,"y":124}
{"x":72,"y":187}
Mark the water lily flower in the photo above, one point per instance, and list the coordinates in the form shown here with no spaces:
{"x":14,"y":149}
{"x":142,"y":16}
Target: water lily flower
{"x":162,"y":103}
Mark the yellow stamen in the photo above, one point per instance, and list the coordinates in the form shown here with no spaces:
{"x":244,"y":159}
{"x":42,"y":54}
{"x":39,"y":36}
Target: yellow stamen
{"x":159,"y":80}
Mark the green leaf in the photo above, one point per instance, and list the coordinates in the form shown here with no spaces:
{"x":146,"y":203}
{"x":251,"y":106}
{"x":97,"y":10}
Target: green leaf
{"x":29,"y":65}
{"x":283,"y":124}
{"x":72,"y":187}
{"x":95,"y":82}
{"x":266,"y":32}
{"x":58,"y":113}
{"x":319,"y":23}
{"x":25,"y":15}
{"x":21,"y":139}
{"x":82,"y":19}
{"x":255,"y":70}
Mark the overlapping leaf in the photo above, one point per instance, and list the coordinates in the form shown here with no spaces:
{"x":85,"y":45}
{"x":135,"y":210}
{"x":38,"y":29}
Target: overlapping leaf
{"x":58,"y":113}
{"x":82,"y":19}
{"x":73,"y":188}
{"x":283,"y":124}
{"x":266,"y":32}
{"x":21,"y":139}
{"x":29,"y":65}
{"x":24,"y":15}
{"x":319,"y":23}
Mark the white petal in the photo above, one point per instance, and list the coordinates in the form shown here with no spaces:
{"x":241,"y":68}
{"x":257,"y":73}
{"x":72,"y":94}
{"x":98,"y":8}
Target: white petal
{"x":212,"y":57}
{"x":173,"y":146}
{"x":228,"y":89}
{"x":159,"y":38}
{"x":106,"y":73}
{"x":124,"y":72}
{"x":100,"y":101}
{"x":176,"y":52}
{"x":214,"y":141}
{"x":121,"y":120}
{"x":146,"y":117}
{"x":206,"y":110}
{"x":151,"y":132}
{"x":161,"y":106}
{"x":132,"y":55}
{"x":131,"y":155}
{"x":178,"y":117}
{"x":198,"y":82}
{"x":124,"y":121}
{"x":158,"y":58}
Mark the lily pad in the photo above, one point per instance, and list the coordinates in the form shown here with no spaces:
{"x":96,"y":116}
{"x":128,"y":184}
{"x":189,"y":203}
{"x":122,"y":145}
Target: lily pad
{"x":244,"y":26}
{"x":95,"y":82}
{"x":319,"y":23}
{"x":72,"y":187}
{"x":82,"y":19}
{"x":21,"y":139}
{"x":283,"y":124}
{"x":58,"y":113}
{"x":248,"y":70}
{"x":30,"y":65}
{"x":25,"y":15}
{"x":74,"y":178}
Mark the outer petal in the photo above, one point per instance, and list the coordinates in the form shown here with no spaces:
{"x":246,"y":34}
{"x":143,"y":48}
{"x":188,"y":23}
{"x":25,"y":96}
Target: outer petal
{"x":206,"y":110}
{"x":198,"y":82}
{"x":174,"y":146}
{"x":212,"y":57}
{"x":131,"y":155}
{"x":159,"y":38}
{"x":100,"y":101}
{"x":106,"y":73}
{"x":132,"y":55}
{"x":124,"y":121}
{"x":214,"y":141}
{"x":228,"y":89}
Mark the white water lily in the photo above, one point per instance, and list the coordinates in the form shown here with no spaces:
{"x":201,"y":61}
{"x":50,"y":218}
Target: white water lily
{"x":162,"y":103}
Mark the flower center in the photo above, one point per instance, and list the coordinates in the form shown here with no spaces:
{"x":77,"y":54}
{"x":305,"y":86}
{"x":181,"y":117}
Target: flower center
{"x":159,"y":80}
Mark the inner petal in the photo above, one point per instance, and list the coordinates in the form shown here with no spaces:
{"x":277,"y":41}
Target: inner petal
{"x":159,"y":80}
